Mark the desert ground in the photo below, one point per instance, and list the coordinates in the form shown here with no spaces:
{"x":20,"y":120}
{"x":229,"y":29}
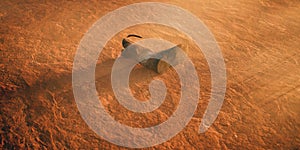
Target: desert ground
{"x":259,"y":40}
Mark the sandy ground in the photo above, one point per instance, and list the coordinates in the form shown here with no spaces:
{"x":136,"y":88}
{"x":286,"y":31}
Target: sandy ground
{"x":259,"y":40}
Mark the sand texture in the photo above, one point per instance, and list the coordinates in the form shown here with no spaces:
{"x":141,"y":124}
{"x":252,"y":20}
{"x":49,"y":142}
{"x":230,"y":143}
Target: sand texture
{"x":259,"y":39}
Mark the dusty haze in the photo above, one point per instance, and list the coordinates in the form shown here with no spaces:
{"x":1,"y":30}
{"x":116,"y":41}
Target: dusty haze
{"x":259,"y":40}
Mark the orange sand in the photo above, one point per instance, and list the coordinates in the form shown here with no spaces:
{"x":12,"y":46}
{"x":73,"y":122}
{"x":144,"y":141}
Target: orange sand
{"x":259,"y":40}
